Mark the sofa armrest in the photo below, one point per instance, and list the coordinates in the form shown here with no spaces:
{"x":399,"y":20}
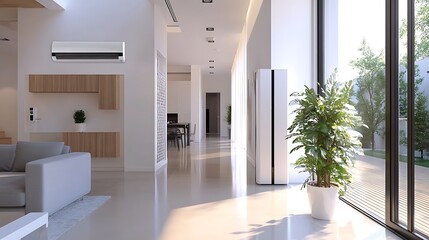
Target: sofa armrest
{"x":54,"y":182}
{"x":7,"y":156}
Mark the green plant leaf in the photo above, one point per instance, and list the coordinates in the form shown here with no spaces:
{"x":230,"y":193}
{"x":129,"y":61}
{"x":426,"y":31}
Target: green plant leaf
{"x":325,"y":129}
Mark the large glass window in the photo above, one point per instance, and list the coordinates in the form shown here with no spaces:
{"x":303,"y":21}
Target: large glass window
{"x":391,"y":182}
{"x":412,"y":175}
{"x":403,"y":115}
{"x":354,"y":48}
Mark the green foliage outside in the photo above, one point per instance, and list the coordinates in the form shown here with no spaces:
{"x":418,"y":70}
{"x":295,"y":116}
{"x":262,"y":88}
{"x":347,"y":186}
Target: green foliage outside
{"x":421,"y":124}
{"x":382,"y":155}
{"x":324,"y":128}
{"x":421,"y":114}
{"x":370,"y":86}
{"x":421,"y":29}
{"x":370,"y":92}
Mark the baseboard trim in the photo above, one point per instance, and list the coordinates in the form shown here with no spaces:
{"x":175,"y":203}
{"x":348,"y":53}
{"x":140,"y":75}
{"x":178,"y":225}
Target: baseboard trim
{"x":251,"y":160}
{"x":107,"y":169}
{"x":161,"y":164}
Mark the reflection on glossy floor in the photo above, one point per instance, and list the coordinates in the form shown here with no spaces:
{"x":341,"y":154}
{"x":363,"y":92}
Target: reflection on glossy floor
{"x":208,"y":192}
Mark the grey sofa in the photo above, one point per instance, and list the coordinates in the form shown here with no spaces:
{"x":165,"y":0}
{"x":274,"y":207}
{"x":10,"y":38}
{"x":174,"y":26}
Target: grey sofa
{"x":42,"y":176}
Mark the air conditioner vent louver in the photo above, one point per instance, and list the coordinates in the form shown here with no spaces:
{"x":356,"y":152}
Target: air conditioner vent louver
{"x":88,"y":51}
{"x":86,"y":56}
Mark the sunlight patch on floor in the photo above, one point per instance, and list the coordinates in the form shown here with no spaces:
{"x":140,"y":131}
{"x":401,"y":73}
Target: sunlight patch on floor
{"x":211,"y":155}
{"x":236,"y":218}
{"x":271,"y":214}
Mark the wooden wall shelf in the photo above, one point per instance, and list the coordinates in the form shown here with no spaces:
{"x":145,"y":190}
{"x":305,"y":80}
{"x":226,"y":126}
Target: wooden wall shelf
{"x":108,"y":90}
{"x":99,"y":144}
{"x":107,"y":86}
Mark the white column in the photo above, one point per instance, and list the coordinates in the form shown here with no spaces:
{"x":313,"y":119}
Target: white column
{"x":196,"y":101}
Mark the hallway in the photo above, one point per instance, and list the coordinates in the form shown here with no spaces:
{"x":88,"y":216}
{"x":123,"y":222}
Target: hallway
{"x":208,"y":192}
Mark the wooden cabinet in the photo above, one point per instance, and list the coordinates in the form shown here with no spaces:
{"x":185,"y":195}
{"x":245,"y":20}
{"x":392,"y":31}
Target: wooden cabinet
{"x":107,"y":86}
{"x":64,"y":83}
{"x":99,"y":144}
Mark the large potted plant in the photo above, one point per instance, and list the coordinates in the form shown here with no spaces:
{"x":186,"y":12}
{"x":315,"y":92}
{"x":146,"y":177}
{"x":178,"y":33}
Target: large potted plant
{"x":79,"y":120}
{"x":324,"y":130}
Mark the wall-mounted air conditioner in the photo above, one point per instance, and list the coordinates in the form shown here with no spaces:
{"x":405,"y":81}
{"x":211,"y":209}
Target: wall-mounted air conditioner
{"x":88,"y":51}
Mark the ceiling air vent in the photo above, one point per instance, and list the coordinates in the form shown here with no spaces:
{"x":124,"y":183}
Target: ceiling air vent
{"x":170,"y":9}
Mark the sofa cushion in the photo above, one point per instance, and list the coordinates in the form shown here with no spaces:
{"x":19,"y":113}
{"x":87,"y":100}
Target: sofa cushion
{"x":7,"y":155}
{"x":12,"y":189}
{"x":66,"y":149}
{"x":30,"y":151}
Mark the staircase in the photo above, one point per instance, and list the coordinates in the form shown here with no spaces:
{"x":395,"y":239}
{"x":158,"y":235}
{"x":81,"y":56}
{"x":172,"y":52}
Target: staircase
{"x":4,"y":139}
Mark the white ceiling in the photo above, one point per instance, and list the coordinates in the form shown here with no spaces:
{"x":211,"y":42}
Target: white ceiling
{"x":190,"y":47}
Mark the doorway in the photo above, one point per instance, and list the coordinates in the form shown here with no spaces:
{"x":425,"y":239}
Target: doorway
{"x":213,"y":114}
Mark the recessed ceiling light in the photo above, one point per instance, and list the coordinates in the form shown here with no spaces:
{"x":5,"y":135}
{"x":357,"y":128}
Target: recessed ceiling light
{"x":209,"y":29}
{"x":210,"y":39}
{"x":211,"y":61}
{"x":207,"y":1}
{"x":211,"y":67}
{"x":211,"y":72}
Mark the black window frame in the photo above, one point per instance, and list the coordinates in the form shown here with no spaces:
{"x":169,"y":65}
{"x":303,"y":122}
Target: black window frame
{"x":392,"y":113}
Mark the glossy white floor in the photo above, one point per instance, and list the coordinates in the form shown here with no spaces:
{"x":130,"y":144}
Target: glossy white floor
{"x":208,"y":192}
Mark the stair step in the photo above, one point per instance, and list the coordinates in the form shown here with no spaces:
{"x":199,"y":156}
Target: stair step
{"x":5,"y":140}
{"x":2,"y":134}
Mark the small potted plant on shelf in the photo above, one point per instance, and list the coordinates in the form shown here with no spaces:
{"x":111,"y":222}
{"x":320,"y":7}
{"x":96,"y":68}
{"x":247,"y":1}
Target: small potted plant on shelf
{"x":228,"y":120}
{"x":324,"y":129}
{"x":79,"y":120}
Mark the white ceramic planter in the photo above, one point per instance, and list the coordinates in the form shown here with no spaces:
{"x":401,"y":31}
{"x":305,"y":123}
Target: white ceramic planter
{"x":323,"y":202}
{"x":80,"y":127}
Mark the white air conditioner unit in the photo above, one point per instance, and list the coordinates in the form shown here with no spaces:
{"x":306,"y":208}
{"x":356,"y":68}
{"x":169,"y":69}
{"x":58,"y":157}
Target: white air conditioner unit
{"x":88,"y":51}
{"x":271,"y":116}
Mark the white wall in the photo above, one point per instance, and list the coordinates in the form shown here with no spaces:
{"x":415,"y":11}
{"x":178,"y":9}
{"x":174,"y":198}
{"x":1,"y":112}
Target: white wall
{"x":239,"y":82}
{"x":258,"y":56}
{"x":222,"y":85}
{"x":8,"y":85}
{"x":196,"y":101}
{"x":95,"y":21}
{"x":259,"y":42}
{"x":292,"y":43}
{"x":179,"y":99}
{"x":282,"y":37}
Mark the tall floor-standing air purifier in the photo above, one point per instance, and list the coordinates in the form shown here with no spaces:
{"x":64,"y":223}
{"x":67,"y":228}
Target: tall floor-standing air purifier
{"x":271,"y":126}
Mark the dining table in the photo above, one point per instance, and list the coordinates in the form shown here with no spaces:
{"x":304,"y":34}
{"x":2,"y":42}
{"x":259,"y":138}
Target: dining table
{"x":185,"y":127}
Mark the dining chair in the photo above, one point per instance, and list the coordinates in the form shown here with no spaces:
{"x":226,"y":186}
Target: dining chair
{"x":174,"y":137}
{"x":193,"y":132}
